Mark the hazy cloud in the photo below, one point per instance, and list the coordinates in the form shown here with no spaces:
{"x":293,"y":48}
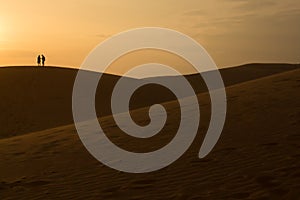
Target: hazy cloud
{"x":254,"y":4}
{"x":196,"y":12}
{"x":248,"y":30}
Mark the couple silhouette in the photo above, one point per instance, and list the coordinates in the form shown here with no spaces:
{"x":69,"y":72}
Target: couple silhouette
{"x":41,"y":60}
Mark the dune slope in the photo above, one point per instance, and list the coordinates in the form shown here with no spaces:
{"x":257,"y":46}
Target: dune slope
{"x":257,"y":156}
{"x":34,"y":99}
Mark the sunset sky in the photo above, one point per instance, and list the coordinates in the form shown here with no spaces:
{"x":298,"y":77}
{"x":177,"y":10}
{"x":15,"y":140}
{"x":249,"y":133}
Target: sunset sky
{"x":232,"y":31}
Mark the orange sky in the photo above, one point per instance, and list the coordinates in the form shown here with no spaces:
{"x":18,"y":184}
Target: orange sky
{"x":232,"y":31}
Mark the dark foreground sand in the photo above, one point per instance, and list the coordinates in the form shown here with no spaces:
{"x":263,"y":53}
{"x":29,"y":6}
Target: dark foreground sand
{"x":257,"y":156}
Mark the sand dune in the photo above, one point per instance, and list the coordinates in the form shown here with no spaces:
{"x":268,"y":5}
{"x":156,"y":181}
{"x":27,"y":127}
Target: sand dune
{"x":34,"y":99}
{"x":257,"y":156}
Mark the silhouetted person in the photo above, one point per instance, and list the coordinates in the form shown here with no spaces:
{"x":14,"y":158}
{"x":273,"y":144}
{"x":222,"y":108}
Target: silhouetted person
{"x":38,"y":60}
{"x":43,"y":60}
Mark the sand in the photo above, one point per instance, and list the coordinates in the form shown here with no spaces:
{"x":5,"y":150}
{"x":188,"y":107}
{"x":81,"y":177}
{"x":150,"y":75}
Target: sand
{"x":257,"y":156}
{"x":35,"y":99}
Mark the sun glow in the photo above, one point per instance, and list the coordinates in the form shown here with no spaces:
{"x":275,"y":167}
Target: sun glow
{"x":1,"y":29}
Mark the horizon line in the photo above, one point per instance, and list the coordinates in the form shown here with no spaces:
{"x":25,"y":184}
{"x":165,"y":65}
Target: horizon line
{"x":114,"y":74}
